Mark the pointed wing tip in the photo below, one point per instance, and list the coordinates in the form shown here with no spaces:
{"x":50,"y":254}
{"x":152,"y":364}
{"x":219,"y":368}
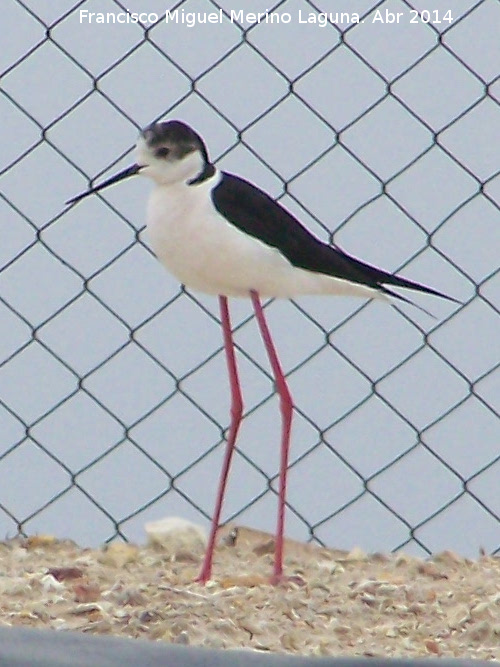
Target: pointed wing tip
{"x":424,"y":290}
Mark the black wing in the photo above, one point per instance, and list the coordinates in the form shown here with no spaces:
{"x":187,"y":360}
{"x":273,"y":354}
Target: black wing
{"x":257,"y":214}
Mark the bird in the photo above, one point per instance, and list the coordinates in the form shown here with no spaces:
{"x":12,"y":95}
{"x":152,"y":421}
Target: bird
{"x":220,"y":234}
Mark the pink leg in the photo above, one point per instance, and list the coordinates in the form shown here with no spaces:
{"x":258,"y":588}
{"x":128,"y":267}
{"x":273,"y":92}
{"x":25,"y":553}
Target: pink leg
{"x":286,"y":405}
{"x":236,"y":413}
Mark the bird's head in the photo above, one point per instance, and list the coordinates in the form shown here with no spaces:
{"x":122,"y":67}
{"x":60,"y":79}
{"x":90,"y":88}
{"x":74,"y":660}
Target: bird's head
{"x":168,"y":152}
{"x":171,"y":152}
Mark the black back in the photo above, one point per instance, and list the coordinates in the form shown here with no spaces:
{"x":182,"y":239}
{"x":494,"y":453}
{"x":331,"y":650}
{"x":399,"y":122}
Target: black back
{"x":257,"y":214}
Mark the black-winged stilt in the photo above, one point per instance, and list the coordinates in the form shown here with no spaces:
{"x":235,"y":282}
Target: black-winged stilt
{"x":220,"y":234}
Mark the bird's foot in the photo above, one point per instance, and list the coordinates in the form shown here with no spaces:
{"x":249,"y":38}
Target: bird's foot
{"x":205,"y":574}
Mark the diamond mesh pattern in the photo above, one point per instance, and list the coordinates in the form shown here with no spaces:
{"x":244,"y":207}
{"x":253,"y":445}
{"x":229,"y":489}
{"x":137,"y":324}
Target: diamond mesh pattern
{"x":411,"y":139}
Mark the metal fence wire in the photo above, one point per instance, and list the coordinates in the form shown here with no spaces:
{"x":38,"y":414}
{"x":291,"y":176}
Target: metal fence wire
{"x":103,"y":422}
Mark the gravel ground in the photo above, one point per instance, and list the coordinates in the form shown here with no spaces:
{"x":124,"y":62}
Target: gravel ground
{"x":336,"y":603}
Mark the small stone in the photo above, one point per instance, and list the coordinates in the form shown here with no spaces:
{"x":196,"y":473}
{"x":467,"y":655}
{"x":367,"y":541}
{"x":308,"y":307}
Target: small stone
{"x":178,"y":538}
{"x":36,"y":541}
{"x":50,"y":583}
{"x":86,"y":592}
{"x":433,"y":647}
{"x":119,"y":554}
{"x":63,"y":573}
{"x":264,"y":548}
{"x":448,"y":558}
{"x":86,"y":608}
{"x":430,"y":570}
{"x":356,"y":554}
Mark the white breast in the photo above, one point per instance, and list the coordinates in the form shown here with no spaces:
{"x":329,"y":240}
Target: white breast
{"x":208,"y":253}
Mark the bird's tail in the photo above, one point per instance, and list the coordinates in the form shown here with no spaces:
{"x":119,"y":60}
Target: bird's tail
{"x":398,"y":281}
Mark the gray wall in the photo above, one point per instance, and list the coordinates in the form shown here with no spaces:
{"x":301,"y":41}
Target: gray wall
{"x":112,"y":378}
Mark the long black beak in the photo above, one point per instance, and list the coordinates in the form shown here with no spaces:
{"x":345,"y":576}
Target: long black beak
{"x":129,"y":171}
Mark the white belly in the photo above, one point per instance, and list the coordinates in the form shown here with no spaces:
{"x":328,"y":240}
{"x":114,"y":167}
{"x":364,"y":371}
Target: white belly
{"x":209,"y":254}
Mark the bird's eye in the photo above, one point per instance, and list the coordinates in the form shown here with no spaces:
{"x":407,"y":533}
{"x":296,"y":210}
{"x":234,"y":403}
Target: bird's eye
{"x":163,"y":151}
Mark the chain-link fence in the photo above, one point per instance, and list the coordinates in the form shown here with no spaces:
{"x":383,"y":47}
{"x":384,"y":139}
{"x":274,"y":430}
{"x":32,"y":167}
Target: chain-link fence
{"x":378,"y":126}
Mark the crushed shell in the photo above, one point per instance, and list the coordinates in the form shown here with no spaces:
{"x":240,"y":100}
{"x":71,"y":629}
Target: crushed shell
{"x":330,"y":603}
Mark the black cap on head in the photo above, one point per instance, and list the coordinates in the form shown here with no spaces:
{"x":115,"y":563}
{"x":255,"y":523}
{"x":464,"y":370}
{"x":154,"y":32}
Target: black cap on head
{"x":175,"y":135}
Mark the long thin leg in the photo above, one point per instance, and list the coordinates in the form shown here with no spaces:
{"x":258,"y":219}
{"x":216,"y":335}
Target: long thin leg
{"x":286,"y":405}
{"x":236,"y":414}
